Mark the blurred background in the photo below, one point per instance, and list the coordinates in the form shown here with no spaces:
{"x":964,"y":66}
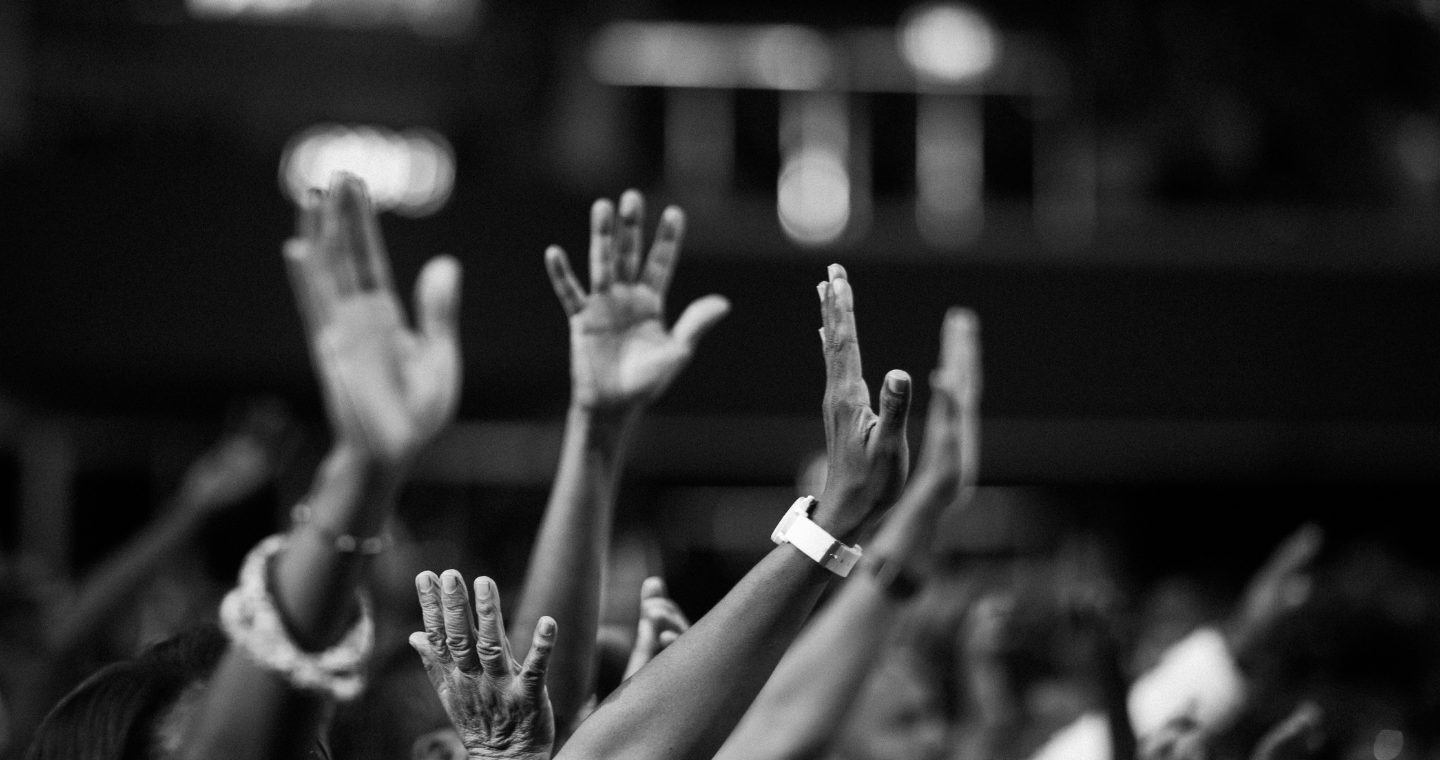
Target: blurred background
{"x":1202,"y":238}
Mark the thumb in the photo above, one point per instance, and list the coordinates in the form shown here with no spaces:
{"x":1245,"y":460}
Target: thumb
{"x":437,"y":298}
{"x":698,"y":318}
{"x":653,"y":587}
{"x":894,"y":404}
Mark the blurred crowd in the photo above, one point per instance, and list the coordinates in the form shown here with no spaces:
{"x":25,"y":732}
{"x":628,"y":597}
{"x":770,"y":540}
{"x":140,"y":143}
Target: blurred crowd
{"x":867,"y":632}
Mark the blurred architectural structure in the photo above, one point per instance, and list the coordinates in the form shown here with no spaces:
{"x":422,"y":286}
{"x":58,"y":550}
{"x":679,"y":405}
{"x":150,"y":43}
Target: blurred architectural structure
{"x":947,"y":56}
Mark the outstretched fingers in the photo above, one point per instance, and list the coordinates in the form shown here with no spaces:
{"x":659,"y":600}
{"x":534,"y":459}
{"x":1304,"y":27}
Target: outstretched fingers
{"x":698,"y":318}
{"x":894,"y":404}
{"x":562,"y":279}
{"x":842,"y":347}
{"x":344,"y":236}
{"x":459,"y":631}
{"x":491,"y":646}
{"x":427,"y":587}
{"x":532,"y":673}
{"x":660,"y":265}
{"x":603,"y":266}
{"x":437,"y":301}
{"x":632,"y":231}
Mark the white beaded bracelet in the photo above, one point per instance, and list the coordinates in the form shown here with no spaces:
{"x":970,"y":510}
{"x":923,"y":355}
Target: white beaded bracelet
{"x":254,"y":625}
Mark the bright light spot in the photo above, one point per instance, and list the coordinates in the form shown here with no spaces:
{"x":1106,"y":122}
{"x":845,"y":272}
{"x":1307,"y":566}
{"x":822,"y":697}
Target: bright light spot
{"x":410,"y":172}
{"x":650,"y":54}
{"x":814,"y":197}
{"x":949,"y":43}
{"x":1388,"y":744}
{"x":790,"y":58}
{"x":434,"y":18}
{"x":1417,"y":145}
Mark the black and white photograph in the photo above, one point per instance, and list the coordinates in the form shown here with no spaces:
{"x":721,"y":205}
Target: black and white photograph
{"x":483,"y":380}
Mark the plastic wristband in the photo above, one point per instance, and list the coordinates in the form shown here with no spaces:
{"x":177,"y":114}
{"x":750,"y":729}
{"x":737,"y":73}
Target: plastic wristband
{"x":797,"y":529}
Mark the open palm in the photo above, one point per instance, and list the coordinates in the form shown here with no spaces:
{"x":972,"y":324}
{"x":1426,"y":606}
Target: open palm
{"x":622,"y":355}
{"x":388,"y":388}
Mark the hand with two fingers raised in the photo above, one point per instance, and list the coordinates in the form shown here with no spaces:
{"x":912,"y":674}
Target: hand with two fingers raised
{"x":622,"y":355}
{"x":868,"y":454}
{"x":661,"y":623}
{"x":499,"y":707}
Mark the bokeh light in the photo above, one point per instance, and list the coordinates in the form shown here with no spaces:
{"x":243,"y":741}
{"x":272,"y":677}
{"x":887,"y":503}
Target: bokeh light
{"x":814,"y":197}
{"x":410,"y":172}
{"x":949,"y":43}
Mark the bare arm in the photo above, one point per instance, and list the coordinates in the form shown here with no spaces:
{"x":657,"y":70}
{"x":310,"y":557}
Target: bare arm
{"x":388,"y":391}
{"x":235,"y":468}
{"x":622,"y":358}
{"x":804,"y":702}
{"x":688,"y":699}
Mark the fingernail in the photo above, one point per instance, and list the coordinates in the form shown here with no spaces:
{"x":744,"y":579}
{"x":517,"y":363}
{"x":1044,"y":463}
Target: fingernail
{"x":547,"y":627}
{"x":835,"y":270}
{"x":423,"y":582}
{"x":896,"y":382}
{"x":449,"y":582}
{"x":484,"y":589}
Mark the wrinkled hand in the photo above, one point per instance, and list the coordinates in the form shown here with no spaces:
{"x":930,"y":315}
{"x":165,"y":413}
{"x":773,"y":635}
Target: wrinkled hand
{"x":388,"y":389}
{"x":1281,"y":586}
{"x":621,"y":355}
{"x":500,"y":708}
{"x":867,"y":453}
{"x":661,"y":623}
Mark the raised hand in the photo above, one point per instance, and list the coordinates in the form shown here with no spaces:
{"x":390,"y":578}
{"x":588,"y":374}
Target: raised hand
{"x":1297,"y":737}
{"x":950,"y":456}
{"x":241,"y":462}
{"x":621,"y":354}
{"x":388,"y":389}
{"x":1281,"y":586}
{"x":868,"y":454}
{"x":500,"y":707}
{"x":661,"y":623}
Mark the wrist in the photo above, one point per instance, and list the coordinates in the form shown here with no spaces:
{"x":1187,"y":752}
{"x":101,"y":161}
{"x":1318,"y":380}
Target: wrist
{"x":606,"y":416}
{"x":836,"y":510}
{"x":353,"y":490}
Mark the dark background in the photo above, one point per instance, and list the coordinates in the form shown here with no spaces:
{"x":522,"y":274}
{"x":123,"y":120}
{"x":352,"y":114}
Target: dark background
{"x":1248,"y":335}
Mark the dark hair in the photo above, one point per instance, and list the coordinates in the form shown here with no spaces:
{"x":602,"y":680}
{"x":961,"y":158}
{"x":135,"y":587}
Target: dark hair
{"x":111,"y":716}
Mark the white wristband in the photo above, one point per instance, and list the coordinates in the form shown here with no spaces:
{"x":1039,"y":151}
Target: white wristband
{"x":797,"y":529}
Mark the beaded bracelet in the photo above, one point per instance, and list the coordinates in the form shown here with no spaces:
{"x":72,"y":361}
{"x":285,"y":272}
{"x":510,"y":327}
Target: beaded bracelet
{"x":344,"y":543}
{"x":255,"y":627}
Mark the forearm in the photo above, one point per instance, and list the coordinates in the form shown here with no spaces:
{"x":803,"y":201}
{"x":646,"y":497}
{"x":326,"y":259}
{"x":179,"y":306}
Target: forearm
{"x":314,"y":584}
{"x":689,"y":698}
{"x":118,"y":578}
{"x":812,"y":689}
{"x":815,"y":684}
{"x":568,"y":559}
{"x":250,"y":711}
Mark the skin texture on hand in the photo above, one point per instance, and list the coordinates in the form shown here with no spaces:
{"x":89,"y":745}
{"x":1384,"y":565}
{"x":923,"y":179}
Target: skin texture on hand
{"x":621,"y":354}
{"x":499,"y":707}
{"x":867,"y":452}
{"x":388,"y":389}
{"x":661,"y":623}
